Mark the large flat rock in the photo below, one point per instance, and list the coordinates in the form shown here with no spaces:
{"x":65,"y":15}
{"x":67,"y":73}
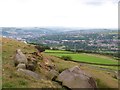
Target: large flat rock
{"x":76,"y":78}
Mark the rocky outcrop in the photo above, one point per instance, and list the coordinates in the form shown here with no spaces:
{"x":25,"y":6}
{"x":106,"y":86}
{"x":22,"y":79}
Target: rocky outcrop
{"x":52,"y":74}
{"x":76,"y":78}
{"x":31,"y":67}
{"x":29,"y":73}
{"x":49,"y":70}
{"x":19,"y":58}
{"x":21,"y":65}
{"x":71,"y":78}
{"x":26,"y":65}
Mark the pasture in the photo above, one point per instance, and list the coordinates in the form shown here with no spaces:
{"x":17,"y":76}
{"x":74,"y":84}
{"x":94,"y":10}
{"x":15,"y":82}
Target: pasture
{"x":83,"y":57}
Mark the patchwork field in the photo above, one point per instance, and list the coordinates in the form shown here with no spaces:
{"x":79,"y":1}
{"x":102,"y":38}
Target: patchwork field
{"x":83,"y":57}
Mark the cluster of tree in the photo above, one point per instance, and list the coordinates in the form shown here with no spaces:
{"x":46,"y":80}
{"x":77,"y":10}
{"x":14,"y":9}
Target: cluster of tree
{"x":68,"y":58}
{"x":40,"y":47}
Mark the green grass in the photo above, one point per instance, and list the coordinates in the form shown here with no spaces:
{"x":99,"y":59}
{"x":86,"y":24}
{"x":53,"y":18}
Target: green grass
{"x":108,"y":67}
{"x":11,"y":78}
{"x":83,"y":57}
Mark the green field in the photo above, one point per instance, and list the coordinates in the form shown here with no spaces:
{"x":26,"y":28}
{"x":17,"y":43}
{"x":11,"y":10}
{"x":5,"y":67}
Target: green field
{"x":83,"y":57}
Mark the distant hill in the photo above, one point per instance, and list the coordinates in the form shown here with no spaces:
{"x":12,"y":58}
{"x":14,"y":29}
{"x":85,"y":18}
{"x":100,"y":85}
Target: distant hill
{"x":19,"y":31}
{"x":8,"y":31}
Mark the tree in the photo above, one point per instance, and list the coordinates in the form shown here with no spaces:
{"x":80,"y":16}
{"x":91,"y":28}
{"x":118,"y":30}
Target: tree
{"x":66,"y":57}
{"x":40,"y":48}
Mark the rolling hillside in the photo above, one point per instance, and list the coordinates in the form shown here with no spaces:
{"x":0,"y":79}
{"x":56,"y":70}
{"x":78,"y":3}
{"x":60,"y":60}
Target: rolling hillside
{"x":11,"y":78}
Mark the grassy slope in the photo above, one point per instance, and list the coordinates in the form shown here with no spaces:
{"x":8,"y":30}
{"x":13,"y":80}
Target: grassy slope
{"x":83,"y":57}
{"x":11,"y":78}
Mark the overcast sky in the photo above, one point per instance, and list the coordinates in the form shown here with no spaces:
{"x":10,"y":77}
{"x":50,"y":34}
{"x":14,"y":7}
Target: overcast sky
{"x":62,"y":13}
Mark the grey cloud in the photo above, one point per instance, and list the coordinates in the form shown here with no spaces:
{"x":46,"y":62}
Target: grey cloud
{"x":99,"y":2}
{"x":94,"y":3}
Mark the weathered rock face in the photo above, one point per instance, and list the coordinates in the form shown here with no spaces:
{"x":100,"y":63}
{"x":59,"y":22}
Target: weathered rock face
{"x":21,"y":65}
{"x":19,"y":58}
{"x":52,"y":74}
{"x":76,"y":78}
{"x":30,"y":73}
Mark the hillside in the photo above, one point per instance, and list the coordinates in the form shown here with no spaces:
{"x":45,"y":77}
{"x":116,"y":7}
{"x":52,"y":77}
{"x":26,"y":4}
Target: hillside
{"x":11,"y":78}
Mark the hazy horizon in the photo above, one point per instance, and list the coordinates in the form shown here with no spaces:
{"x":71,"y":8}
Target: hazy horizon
{"x":58,"y":27}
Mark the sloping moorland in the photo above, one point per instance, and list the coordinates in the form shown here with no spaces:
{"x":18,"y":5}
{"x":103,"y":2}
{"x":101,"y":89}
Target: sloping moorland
{"x":12,"y":79}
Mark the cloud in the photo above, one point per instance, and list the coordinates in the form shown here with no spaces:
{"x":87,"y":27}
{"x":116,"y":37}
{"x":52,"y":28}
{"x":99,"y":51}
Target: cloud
{"x":99,"y":2}
{"x":67,"y":13}
{"x":93,"y":2}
